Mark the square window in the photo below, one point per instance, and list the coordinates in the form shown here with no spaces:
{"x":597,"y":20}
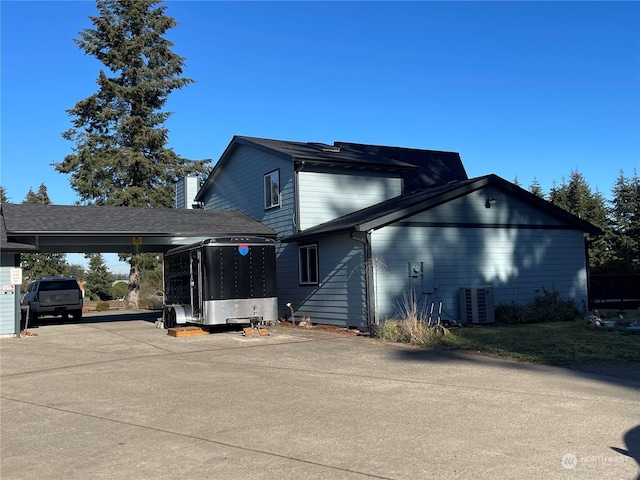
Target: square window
{"x":308,"y":264}
{"x":272,"y":189}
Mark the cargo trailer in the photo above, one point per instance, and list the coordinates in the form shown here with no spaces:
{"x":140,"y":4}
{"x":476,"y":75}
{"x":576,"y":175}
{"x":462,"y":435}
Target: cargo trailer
{"x":221,"y":281}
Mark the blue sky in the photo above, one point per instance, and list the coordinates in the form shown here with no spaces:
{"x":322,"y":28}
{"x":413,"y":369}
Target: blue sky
{"x":519,"y":89}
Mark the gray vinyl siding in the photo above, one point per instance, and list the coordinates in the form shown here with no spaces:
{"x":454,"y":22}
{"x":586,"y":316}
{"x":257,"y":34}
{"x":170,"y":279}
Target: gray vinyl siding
{"x":470,"y":209}
{"x":339,"y":299}
{"x":325,"y":196}
{"x":240,"y":186}
{"x":186,"y":190}
{"x":517,"y":263}
{"x":7,"y":300}
{"x":510,"y":246}
{"x":516,"y":247}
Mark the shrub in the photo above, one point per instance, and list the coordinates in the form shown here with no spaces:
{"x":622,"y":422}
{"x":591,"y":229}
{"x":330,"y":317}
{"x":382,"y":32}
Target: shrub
{"x":102,"y":306}
{"x":154,"y":303}
{"x":120,"y":290}
{"x":411,"y":331}
{"x":412,"y":327}
{"x":511,"y":313}
{"x":545,"y":307}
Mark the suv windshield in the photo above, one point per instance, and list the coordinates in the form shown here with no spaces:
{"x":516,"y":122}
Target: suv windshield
{"x":58,"y":285}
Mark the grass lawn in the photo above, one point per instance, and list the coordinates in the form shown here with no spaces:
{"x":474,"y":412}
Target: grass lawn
{"x":557,"y":343}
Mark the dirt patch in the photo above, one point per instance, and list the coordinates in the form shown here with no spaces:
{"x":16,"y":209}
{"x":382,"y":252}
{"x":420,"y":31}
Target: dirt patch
{"x":325,"y":328}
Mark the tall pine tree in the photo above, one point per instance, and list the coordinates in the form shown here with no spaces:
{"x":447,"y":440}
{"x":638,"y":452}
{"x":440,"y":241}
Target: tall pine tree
{"x":624,"y":218}
{"x":576,"y":197}
{"x":38,"y":265}
{"x":99,"y":278}
{"x":536,"y":188}
{"x":121,"y":155}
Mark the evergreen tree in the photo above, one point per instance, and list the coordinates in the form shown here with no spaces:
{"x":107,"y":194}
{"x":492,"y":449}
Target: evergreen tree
{"x":99,"y":278}
{"x":536,"y":188}
{"x":38,"y":265}
{"x":3,"y":195}
{"x":575,"y":196}
{"x":77,"y":271}
{"x":41,"y":196}
{"x":624,"y":218}
{"x":120,"y":155}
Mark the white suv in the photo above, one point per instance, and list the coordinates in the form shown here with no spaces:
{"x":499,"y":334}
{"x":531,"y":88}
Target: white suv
{"x":51,"y":296}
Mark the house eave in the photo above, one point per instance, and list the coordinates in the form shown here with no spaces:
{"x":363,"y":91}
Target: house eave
{"x":418,"y":203}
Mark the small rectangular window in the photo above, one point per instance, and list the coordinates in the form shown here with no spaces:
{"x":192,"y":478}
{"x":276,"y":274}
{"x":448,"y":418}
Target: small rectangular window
{"x":308,"y":265}
{"x":272,"y":189}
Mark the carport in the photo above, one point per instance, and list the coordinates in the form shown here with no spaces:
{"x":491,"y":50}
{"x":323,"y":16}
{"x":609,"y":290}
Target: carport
{"x":38,"y":228}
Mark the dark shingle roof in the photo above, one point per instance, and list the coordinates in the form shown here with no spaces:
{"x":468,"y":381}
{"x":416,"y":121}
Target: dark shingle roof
{"x":39,"y":218}
{"x":434,"y":167}
{"x":419,"y":168}
{"x":8,"y":246}
{"x":341,"y":154}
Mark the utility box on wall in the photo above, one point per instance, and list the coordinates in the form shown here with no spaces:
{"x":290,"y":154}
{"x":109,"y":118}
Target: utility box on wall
{"x":422,"y":272}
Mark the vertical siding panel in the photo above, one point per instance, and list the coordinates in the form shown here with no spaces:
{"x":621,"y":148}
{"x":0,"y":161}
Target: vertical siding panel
{"x":7,"y":300}
{"x":325,"y":196}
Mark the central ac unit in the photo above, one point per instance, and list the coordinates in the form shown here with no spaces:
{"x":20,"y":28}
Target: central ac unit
{"x":476,"y":305}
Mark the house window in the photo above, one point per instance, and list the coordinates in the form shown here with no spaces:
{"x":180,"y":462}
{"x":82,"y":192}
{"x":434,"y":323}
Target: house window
{"x":272,"y":189}
{"x":308,"y":266}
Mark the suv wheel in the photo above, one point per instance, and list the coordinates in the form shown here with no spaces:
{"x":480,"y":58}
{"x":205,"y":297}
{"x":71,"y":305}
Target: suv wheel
{"x":33,"y":318}
{"x":77,"y":315}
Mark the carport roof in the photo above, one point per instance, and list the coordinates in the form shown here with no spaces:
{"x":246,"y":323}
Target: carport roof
{"x":71,"y":228}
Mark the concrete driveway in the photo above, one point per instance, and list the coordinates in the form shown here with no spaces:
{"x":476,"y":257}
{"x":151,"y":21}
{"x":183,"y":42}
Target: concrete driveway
{"x":117,"y":398}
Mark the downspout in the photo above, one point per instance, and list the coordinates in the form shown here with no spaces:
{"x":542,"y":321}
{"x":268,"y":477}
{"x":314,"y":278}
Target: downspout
{"x":369,"y":291}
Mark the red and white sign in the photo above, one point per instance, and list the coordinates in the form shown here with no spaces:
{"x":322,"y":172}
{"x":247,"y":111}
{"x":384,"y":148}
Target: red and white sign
{"x":16,"y":276}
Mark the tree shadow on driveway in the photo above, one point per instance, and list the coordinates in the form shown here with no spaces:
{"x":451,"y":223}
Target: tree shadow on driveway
{"x":626,"y":374}
{"x":102,"y":317}
{"x":632,"y":442}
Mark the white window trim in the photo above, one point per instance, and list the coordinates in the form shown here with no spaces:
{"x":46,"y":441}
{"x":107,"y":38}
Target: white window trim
{"x":306,"y":249}
{"x":268,"y":186}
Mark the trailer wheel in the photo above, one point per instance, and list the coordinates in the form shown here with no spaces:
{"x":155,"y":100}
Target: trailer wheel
{"x":170,"y":318}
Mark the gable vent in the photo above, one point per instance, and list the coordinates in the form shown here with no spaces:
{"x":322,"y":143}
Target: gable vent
{"x":323,"y":147}
{"x":476,"y":305}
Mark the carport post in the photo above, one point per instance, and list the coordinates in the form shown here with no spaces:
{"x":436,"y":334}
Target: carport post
{"x":16,"y":294}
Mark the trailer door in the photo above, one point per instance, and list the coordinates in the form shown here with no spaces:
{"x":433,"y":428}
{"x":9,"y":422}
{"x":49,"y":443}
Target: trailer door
{"x":196,"y":284}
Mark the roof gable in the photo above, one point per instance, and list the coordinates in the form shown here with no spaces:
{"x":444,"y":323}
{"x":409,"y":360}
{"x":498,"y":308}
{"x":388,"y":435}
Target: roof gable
{"x":398,"y":208}
{"x":420,"y":168}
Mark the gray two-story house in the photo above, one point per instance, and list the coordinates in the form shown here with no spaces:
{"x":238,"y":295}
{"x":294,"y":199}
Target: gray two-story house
{"x":361,"y":227}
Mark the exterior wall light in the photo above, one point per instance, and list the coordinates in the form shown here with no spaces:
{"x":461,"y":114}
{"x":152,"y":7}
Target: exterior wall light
{"x":490,"y":201}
